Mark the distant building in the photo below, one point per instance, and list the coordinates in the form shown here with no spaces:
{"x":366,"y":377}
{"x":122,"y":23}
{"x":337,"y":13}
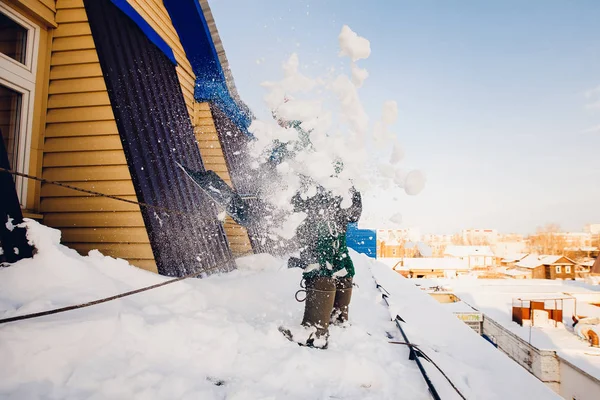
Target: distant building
{"x":398,"y":243}
{"x":547,"y":267}
{"x":428,"y":267}
{"x":555,"y":351}
{"x":511,"y":259}
{"x":475,"y":256}
{"x":505,"y":249}
{"x":593,"y":229}
{"x":438,"y":243}
{"x":479,"y":236}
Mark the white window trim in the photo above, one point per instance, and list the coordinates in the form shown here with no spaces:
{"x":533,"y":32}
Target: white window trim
{"x":21,"y":78}
{"x":567,"y":269}
{"x":558,"y":269}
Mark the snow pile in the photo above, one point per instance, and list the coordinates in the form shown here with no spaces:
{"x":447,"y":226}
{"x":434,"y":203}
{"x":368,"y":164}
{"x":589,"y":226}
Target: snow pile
{"x":218,"y":337}
{"x":322,"y":135}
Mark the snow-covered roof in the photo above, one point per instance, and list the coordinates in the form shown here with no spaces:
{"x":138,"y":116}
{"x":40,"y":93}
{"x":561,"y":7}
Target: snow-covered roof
{"x":432,"y":263}
{"x":218,"y":337}
{"x":494,"y":297}
{"x":465,"y":251}
{"x":536,"y":260}
{"x":514,"y":257}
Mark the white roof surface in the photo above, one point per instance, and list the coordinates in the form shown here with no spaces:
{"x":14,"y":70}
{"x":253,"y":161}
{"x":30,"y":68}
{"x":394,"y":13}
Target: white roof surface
{"x":514,"y":257}
{"x":494,"y":298}
{"x":536,"y":260}
{"x":217,"y":337}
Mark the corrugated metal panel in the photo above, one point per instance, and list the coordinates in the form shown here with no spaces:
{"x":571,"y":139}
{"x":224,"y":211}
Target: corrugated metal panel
{"x":234,"y":144}
{"x":156,"y":131}
{"x":362,"y":240}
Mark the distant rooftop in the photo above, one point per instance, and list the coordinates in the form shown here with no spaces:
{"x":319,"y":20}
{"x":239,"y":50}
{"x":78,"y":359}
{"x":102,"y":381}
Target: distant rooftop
{"x":536,"y":260}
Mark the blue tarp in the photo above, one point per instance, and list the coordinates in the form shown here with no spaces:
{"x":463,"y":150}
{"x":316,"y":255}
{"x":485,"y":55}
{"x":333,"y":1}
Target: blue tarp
{"x":362,"y":240}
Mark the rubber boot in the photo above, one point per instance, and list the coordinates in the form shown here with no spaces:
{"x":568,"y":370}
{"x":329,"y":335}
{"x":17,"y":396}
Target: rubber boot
{"x":320,"y":295}
{"x":341,"y":302}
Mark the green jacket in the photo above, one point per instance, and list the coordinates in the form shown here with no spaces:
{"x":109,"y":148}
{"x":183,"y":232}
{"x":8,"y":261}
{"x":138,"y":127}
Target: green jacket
{"x":322,"y":235}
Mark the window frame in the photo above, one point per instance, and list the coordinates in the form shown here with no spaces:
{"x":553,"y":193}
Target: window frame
{"x":567,"y":269}
{"x":558,"y":269}
{"x":21,"y":78}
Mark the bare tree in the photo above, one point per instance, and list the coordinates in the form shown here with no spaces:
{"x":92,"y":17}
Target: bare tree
{"x":548,"y":240}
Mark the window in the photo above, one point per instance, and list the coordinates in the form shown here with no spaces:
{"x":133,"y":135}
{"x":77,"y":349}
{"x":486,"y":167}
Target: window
{"x":18,"y":60}
{"x":567,"y":269}
{"x":10,"y":112}
{"x":14,"y":39}
{"x":558,"y":269}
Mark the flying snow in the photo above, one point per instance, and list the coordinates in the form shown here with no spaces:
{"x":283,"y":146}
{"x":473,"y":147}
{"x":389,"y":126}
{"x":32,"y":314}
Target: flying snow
{"x":324,"y":135}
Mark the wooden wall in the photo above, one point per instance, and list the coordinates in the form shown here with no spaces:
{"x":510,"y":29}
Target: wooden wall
{"x":212,"y":155}
{"x":83,"y":148}
{"x":41,"y":10}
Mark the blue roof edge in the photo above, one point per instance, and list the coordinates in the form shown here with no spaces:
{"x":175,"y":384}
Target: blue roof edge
{"x":211,"y":85}
{"x":154,"y":37}
{"x":217,"y":92}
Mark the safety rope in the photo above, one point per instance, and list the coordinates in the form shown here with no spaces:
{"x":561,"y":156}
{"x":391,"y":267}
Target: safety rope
{"x":421,"y":353}
{"x":91,"y":192}
{"x":415,"y":352}
{"x":110,"y":298}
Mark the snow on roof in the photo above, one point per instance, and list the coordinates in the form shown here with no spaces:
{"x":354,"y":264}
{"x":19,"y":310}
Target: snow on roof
{"x":586,"y":263}
{"x":432,"y":325}
{"x":465,"y":251}
{"x":551,"y":260}
{"x":536,"y":260}
{"x":495,"y":298}
{"x":531,"y":261}
{"x":431,"y":263}
{"x":218,"y":337}
{"x":514,"y":257}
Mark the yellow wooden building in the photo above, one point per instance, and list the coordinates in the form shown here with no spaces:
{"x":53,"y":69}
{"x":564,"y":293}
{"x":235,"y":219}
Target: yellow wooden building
{"x":106,"y":95}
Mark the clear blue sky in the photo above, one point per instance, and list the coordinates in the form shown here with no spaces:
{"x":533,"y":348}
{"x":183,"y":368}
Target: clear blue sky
{"x":491,"y":96}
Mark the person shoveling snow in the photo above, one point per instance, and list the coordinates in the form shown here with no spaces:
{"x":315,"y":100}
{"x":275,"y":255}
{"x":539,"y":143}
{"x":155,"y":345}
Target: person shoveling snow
{"x":321,"y":239}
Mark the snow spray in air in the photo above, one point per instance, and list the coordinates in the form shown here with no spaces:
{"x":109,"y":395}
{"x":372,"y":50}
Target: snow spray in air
{"x":323,"y":136}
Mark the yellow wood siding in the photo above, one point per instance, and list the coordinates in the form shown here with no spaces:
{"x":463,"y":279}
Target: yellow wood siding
{"x":41,"y":13}
{"x":41,"y":10}
{"x":83,"y":149}
{"x":214,"y":159}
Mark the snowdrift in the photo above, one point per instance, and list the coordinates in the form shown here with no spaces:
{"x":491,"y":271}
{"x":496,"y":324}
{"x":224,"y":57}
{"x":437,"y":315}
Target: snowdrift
{"x":217,"y":338}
